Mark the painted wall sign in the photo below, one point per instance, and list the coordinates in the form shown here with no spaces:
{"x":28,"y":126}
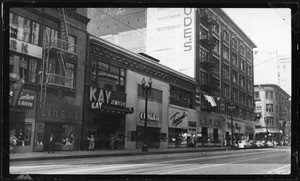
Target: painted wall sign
{"x":25,"y":48}
{"x":178,"y":118}
{"x":177,"y":27}
{"x":15,"y":92}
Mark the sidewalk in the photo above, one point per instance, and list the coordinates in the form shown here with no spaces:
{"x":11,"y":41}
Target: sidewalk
{"x":31,"y":156}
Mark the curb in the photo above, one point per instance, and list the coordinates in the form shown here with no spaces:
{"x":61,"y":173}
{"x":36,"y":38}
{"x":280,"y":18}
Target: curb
{"x":114,"y":154}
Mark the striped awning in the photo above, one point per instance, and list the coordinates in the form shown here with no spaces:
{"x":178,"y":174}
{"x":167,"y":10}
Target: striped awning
{"x":211,"y":100}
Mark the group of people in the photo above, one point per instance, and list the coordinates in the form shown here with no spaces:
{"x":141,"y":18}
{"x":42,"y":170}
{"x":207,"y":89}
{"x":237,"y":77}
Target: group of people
{"x":91,"y":140}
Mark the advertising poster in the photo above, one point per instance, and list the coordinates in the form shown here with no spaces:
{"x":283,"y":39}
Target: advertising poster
{"x":171,"y":38}
{"x":178,"y":118}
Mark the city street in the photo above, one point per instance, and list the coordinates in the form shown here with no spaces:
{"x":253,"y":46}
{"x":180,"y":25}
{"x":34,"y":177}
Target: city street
{"x":249,"y":161}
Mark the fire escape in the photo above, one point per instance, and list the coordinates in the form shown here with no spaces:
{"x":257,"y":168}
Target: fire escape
{"x":59,"y":48}
{"x":208,"y":43}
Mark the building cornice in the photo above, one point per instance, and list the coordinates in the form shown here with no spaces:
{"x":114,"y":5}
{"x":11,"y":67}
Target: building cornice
{"x":139,"y":63}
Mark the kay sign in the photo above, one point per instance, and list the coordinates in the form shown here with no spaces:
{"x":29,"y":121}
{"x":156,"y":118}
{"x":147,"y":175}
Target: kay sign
{"x":25,"y":48}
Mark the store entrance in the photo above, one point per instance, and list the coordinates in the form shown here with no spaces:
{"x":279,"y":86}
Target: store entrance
{"x":108,"y":126}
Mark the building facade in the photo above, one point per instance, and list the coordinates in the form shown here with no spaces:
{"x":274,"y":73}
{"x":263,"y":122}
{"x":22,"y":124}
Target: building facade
{"x":51,"y":67}
{"x":221,"y":57}
{"x":115,"y":105}
{"x":273,"y":113}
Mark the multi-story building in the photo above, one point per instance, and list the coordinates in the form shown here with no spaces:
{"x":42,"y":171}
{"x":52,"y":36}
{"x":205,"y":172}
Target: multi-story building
{"x":278,"y":71}
{"x":216,"y":53}
{"x":273,"y":112}
{"x":47,"y":61}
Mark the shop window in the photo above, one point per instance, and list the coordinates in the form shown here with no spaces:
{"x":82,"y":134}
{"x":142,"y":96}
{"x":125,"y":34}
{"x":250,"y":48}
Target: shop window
{"x":63,"y":134}
{"x":19,"y":129}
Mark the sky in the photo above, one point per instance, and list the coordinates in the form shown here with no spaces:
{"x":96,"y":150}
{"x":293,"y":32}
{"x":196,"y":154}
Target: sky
{"x":268,"y":28}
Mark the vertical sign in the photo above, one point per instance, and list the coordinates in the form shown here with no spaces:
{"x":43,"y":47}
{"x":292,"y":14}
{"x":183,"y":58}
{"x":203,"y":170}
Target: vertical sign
{"x":171,"y":38}
{"x":15,"y":91}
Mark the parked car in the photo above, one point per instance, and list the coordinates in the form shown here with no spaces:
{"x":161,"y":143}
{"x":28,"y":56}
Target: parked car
{"x":275,"y":143}
{"x":243,"y":144}
{"x":259,"y":144}
{"x":253,"y":144}
{"x":269,"y":144}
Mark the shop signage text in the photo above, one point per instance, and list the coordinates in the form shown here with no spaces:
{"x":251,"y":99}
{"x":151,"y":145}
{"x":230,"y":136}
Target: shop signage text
{"x":188,"y":29}
{"x":150,"y":116}
{"x":25,"y":48}
{"x":26,"y":100}
{"x":99,"y":97}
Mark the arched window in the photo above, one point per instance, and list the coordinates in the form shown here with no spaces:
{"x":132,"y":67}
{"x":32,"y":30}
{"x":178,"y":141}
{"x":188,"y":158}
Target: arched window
{"x":225,"y":36}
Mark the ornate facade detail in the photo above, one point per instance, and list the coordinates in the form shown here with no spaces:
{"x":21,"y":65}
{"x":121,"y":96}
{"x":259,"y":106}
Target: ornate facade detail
{"x":98,"y":52}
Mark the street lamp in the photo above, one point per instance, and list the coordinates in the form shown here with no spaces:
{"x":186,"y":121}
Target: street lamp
{"x":231,"y":112}
{"x":267,"y":123}
{"x":146,"y":90}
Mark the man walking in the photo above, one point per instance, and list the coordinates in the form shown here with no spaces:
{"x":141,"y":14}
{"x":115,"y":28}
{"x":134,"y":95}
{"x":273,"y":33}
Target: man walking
{"x":51,"y":144}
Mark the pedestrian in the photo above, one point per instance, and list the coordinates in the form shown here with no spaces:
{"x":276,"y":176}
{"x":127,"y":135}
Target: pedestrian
{"x":51,"y":139}
{"x":13,"y":141}
{"x":195,"y":141}
{"x":112,"y":142}
{"x":91,"y":143}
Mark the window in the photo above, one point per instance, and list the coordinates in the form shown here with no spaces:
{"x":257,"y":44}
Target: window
{"x":234,"y":43}
{"x":226,"y":71}
{"x":203,"y":34}
{"x":269,"y":107}
{"x":242,"y":65}
{"x":234,"y":76}
{"x":225,"y":36}
{"x":269,"y":95}
{"x":155,"y":94}
{"x":203,"y":55}
{"x":235,"y":94}
{"x":23,"y":28}
{"x":226,"y":90}
{"x":248,"y":56}
{"x":203,"y":78}
{"x":249,"y":101}
{"x":256,"y":95}
{"x":107,"y":76}
{"x":70,"y":75}
{"x":72,"y":44}
{"x":51,"y":35}
{"x":242,"y":81}
{"x":249,"y":86}
{"x":181,"y":97}
{"x":243,"y":98}
{"x":216,"y":45}
{"x":249,"y":70}
{"x":225,"y":53}
{"x":24,"y":68}
{"x":234,"y":59}
{"x":216,"y":27}
{"x":242,"y":50}
{"x":216,"y":64}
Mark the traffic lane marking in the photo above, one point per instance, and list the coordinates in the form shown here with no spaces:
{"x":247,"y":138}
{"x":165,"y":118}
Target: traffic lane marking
{"x":279,"y":170}
{"x":219,"y":164}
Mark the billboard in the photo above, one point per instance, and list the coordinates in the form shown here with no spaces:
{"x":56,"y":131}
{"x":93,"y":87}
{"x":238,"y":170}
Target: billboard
{"x":171,"y":38}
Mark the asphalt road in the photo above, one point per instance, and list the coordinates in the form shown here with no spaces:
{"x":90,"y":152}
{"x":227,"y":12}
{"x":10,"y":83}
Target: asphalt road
{"x":250,"y":161}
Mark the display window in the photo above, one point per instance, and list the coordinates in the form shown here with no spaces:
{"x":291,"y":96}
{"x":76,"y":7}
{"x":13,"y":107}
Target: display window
{"x":64,"y":134}
{"x":178,"y":137}
{"x":20,"y":131}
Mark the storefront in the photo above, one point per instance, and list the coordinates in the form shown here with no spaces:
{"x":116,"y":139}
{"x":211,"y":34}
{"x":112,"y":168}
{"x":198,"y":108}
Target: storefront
{"x":210,"y":130}
{"x":63,"y":120}
{"x":178,"y":127}
{"x":21,"y":122}
{"x":104,"y":118}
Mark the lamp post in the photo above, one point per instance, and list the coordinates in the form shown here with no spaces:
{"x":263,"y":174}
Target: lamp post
{"x":267,"y":122}
{"x":231,"y":109}
{"x":146,"y":90}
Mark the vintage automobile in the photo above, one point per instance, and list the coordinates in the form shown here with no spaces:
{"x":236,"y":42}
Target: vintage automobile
{"x":243,"y":144}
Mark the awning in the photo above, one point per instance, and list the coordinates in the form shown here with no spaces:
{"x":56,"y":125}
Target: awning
{"x":211,"y":100}
{"x":264,"y":130}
